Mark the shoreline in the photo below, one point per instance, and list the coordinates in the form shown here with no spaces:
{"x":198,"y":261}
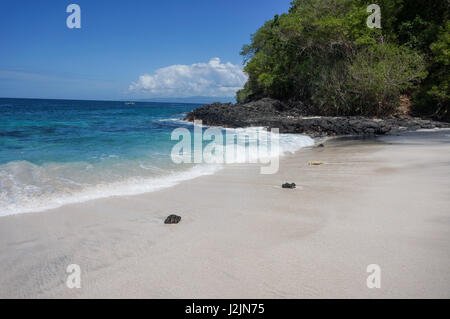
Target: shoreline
{"x":124,"y":188}
{"x":241,"y":236}
{"x":137,"y":185}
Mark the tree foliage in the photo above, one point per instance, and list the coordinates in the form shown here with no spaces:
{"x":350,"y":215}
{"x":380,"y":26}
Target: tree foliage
{"x":322,"y":53}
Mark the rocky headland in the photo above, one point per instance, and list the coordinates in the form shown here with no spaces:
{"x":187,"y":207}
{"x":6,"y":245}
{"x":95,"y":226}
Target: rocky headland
{"x":272,"y":113}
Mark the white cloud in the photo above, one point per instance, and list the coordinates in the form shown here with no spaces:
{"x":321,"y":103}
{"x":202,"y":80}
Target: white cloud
{"x":200,"y":79}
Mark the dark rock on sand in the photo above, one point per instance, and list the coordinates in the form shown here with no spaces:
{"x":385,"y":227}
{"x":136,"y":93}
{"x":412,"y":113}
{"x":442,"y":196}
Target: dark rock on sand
{"x":172,"y":219}
{"x":272,"y":113}
{"x":288,"y":185}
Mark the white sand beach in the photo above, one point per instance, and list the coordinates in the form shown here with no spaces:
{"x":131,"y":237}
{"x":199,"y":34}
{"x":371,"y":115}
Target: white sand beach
{"x":384,"y":202}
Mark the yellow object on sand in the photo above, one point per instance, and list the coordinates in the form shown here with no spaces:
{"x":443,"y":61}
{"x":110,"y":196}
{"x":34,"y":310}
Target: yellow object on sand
{"x":315,"y":163}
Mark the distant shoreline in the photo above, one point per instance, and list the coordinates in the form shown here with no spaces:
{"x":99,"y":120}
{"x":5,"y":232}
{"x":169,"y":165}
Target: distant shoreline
{"x":168,"y":100}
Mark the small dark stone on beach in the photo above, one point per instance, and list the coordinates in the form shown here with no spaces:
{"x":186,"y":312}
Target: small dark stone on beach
{"x":320,"y":145}
{"x":288,"y":185}
{"x":172,"y":219}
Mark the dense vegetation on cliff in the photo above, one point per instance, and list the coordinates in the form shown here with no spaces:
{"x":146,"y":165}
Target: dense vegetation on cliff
{"x":323,"y":53}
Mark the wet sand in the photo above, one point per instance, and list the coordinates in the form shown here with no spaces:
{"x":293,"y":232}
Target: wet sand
{"x":384,"y":202}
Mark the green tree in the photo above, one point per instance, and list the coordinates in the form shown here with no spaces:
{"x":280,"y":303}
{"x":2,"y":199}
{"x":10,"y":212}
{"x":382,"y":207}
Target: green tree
{"x":322,"y":53}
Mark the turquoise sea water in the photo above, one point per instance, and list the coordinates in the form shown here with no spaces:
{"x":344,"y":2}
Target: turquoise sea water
{"x":54,"y":152}
{"x":42,"y":131}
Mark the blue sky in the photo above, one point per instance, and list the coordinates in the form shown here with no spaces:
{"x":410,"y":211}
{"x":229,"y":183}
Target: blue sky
{"x":127,"y":49}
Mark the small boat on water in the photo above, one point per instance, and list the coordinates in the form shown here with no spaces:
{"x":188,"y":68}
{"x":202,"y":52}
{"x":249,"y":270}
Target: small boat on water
{"x":129,"y":103}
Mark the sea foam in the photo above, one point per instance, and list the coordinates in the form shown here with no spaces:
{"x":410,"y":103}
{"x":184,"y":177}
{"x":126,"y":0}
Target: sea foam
{"x":33,"y":187}
{"x":26,"y":187}
{"x":18,"y":196}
